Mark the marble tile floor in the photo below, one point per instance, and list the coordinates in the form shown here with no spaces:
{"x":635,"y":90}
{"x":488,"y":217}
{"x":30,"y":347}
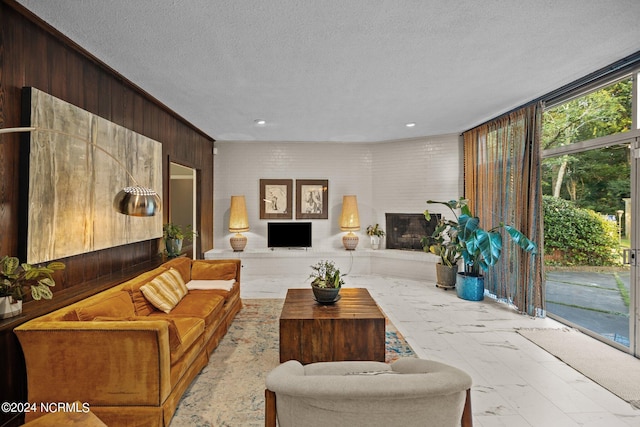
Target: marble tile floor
{"x":516,"y":383}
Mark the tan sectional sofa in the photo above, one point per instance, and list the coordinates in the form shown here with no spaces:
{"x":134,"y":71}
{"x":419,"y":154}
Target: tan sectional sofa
{"x":130,"y":361}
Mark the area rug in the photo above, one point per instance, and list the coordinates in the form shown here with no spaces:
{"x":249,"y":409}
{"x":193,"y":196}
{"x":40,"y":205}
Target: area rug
{"x":229,"y":391}
{"x":613,"y":369}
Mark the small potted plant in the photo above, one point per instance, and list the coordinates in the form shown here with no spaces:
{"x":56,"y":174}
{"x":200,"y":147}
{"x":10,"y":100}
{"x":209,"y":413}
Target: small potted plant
{"x":445,"y":244}
{"x":327,"y":281}
{"x":480,"y":248}
{"x":17,"y":279}
{"x":375,"y":232}
{"x":174,"y":236}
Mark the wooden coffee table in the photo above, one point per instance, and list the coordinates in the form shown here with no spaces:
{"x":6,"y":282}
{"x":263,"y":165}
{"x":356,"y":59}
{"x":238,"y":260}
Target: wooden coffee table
{"x":353,"y":328}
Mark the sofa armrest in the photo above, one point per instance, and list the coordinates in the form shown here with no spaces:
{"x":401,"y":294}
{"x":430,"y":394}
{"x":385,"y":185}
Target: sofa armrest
{"x":102,"y":363}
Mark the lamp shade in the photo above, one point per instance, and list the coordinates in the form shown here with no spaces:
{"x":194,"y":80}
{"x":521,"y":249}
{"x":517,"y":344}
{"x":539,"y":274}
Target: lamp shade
{"x":349,"y":220}
{"x":137,"y":201}
{"x":238,"y":219}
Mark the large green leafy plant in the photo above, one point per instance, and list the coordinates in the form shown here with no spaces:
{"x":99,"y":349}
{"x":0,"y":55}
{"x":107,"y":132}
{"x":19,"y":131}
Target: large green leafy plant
{"x":174,"y":231}
{"x":444,"y":241}
{"x":480,"y":248}
{"x":16,"y":279}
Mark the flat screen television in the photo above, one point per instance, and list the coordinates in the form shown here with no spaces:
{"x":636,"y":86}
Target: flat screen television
{"x":289,"y":234}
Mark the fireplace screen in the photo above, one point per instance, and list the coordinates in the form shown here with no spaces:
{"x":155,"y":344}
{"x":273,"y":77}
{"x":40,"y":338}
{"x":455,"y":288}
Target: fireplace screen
{"x":404,"y":231}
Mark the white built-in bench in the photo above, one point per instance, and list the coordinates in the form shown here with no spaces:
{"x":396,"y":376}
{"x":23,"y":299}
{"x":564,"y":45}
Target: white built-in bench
{"x":385,"y":262}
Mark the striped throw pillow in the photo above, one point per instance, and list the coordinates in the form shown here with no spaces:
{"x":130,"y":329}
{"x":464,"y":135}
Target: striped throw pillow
{"x":165,"y":291}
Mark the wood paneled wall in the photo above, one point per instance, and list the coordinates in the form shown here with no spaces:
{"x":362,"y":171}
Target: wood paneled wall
{"x":34,"y":54}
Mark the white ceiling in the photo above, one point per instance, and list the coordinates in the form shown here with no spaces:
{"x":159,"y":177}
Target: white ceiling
{"x":347,"y":70}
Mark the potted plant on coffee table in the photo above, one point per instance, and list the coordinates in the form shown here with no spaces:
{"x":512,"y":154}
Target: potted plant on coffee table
{"x":173,"y":236}
{"x":375,"y":232}
{"x":326,"y":283}
{"x":17,"y":279}
{"x":480,"y":248}
{"x":445,"y":244}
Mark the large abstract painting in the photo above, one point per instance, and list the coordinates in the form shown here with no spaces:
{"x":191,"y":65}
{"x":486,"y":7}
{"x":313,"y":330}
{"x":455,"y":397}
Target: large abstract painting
{"x":72,"y":183}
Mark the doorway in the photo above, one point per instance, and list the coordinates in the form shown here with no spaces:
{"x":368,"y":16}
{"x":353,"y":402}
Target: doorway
{"x":182,"y":200}
{"x":589,"y":170}
{"x":587,"y":281}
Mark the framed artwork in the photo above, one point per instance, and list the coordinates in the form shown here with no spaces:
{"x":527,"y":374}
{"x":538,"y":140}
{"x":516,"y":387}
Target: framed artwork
{"x":71,"y":181}
{"x":312,"y":197}
{"x":276,"y":198}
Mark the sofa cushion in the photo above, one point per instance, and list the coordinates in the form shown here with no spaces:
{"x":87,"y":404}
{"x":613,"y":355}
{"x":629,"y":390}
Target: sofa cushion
{"x":226,"y":294}
{"x":165,"y":291}
{"x":204,"y":305}
{"x":202,"y":270}
{"x":70,"y":315}
{"x":116,"y":305}
{"x":182,"y":264}
{"x":140,"y":303}
{"x":190,"y":330}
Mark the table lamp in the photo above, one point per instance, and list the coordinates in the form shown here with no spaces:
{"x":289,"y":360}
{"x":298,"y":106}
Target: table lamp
{"x":349,"y":221}
{"x":238,"y":222}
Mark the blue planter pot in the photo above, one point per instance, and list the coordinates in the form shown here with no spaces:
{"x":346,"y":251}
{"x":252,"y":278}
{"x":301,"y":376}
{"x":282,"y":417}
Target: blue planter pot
{"x":470,"y":288}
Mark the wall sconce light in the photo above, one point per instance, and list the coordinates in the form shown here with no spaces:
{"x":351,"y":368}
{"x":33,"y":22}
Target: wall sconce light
{"x":238,"y":222}
{"x":349,"y":221}
{"x":134,"y":201}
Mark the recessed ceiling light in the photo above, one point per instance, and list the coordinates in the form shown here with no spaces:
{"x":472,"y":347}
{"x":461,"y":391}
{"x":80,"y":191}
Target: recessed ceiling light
{"x":410,"y":125}
{"x":260,"y":122}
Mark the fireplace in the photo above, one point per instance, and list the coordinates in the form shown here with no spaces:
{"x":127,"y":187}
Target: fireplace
{"x":405,"y":230}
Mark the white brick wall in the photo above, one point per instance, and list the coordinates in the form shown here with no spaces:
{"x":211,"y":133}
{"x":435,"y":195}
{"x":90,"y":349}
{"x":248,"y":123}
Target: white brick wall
{"x":408,"y":173}
{"x":394,"y":176}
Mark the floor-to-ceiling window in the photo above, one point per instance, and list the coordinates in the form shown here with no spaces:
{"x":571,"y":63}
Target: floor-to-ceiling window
{"x":590,"y":146}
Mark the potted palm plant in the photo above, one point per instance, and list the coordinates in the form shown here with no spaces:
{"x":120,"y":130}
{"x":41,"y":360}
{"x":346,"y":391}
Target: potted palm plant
{"x":375,"y":232}
{"x":17,"y":279}
{"x":326,"y":283}
{"x":480,"y":248}
{"x":174,"y":236}
{"x":445,"y":244}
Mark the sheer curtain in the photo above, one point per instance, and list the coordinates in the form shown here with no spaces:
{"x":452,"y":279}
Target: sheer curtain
{"x":502,"y":184}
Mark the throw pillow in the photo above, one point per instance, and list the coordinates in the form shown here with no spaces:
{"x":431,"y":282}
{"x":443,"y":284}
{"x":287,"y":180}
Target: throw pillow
{"x":141,"y":306}
{"x":165,"y":291}
{"x":202,"y":270}
{"x":182,"y":264}
{"x":117,"y":305}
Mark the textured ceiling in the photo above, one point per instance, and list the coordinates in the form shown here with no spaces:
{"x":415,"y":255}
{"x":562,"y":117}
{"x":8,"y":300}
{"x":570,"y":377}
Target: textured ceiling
{"x":347,"y":70}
